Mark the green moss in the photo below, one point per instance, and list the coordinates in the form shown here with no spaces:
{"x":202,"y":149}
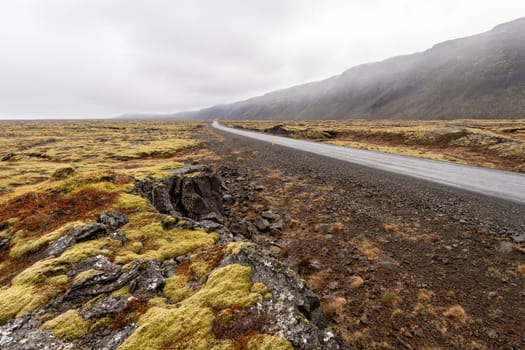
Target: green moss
{"x":176,"y":289}
{"x":14,"y":299}
{"x":200,"y":268}
{"x":131,"y":201}
{"x":188,"y":326}
{"x":159,"y":244}
{"x":235,"y":247}
{"x":85,"y":275}
{"x":124,"y":291}
{"x":69,"y":326}
{"x":31,"y":289}
{"x":260,"y":288}
{"x":158,"y":301}
{"x":268,"y":342}
{"x":23,"y":246}
{"x":99,"y":324}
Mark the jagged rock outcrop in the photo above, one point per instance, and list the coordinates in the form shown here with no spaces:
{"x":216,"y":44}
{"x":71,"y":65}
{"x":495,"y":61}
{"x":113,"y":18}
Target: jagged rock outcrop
{"x":198,"y":196}
{"x":102,"y":299}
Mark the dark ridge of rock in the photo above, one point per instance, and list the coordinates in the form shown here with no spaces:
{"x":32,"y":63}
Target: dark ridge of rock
{"x":278,"y":130}
{"x":107,"y":307}
{"x":23,"y":333}
{"x":113,"y":219}
{"x":7,"y":157}
{"x":4,"y":244}
{"x":293,"y":311}
{"x":296,"y":310}
{"x":109,"y":221}
{"x":198,"y":196}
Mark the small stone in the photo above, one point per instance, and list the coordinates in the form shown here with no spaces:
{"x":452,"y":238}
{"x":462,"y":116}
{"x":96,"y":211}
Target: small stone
{"x":262,"y":224}
{"x":228,"y":199}
{"x":113,"y":219}
{"x":505,"y":247}
{"x":277,"y":226}
{"x":259,"y":187}
{"x":269,"y":215}
{"x":519,"y":238}
{"x":4,"y":244}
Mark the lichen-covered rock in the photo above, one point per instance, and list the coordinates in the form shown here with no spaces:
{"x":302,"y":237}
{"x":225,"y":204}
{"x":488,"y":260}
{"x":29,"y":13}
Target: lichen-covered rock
{"x":24,"y":333}
{"x":113,"y":219}
{"x":296,"y":309}
{"x":75,"y":235}
{"x":107,"y":307}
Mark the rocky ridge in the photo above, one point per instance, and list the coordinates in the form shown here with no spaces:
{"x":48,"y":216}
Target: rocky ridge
{"x":105,"y":304}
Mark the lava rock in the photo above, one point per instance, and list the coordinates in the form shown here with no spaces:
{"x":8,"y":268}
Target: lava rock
{"x":4,"y":244}
{"x":262,"y":224}
{"x":113,"y":219}
{"x":75,"y":235}
{"x":7,"y":157}
{"x":295,"y":309}
{"x":107,"y":307}
{"x":271,"y":216}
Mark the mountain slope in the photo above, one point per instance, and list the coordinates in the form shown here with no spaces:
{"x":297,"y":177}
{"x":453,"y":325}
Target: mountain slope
{"x":482,"y":76}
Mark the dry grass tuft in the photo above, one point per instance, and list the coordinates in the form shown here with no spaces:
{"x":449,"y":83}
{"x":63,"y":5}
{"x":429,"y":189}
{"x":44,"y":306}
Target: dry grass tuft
{"x":318,"y":280}
{"x":369,"y":250}
{"x":334,"y":307}
{"x":425,"y":296}
{"x":521,"y":270}
{"x":456,"y":313}
{"x":356,"y":282}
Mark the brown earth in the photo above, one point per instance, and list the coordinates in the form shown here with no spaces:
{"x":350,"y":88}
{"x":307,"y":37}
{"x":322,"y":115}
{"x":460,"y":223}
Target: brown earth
{"x":399,"y":263}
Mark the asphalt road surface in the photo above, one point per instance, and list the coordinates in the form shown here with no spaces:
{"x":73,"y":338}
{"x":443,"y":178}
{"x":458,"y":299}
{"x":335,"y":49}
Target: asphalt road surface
{"x":495,"y":183}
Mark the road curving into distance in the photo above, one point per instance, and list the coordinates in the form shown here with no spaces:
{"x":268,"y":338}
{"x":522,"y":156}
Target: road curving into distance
{"x":495,"y":183}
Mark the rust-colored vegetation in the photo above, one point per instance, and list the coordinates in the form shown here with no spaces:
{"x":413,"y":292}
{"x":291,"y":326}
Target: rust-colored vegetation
{"x":44,"y":212}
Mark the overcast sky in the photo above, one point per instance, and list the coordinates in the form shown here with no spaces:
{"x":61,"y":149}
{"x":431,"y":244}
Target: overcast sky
{"x":101,"y":58}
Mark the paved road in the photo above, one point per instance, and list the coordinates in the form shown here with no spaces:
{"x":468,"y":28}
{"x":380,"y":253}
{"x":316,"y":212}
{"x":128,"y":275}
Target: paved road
{"x":496,"y":183}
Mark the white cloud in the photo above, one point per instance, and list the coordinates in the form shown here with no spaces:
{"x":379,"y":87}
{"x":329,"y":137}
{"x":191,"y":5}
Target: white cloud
{"x":99,"y":58}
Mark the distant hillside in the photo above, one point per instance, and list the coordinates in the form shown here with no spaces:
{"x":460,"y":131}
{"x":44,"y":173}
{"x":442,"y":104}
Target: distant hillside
{"x":482,"y":76}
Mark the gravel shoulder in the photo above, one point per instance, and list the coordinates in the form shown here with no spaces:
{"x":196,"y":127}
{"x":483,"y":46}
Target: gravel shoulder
{"x":398,"y":262}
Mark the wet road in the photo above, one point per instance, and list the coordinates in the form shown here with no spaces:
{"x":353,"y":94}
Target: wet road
{"x":495,"y":183}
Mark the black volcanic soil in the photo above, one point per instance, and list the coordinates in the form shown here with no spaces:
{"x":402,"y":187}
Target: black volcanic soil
{"x":399,"y":263}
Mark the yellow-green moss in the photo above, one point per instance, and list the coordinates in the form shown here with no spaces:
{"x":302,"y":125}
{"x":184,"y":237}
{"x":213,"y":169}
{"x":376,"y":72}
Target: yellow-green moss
{"x":131,"y":201}
{"x":235,"y":247}
{"x":31,"y":289}
{"x":176,"y":289}
{"x":99,"y":324}
{"x":159,"y":244}
{"x":69,"y":325}
{"x":189,"y":325}
{"x":14,"y":299}
{"x":200,"y":268}
{"x":158,"y":301}
{"x":124,"y":291}
{"x":268,"y":342}
{"x":260,"y":288}
{"x":136,"y":247}
{"x":85,"y":275}
{"x":25,"y":245}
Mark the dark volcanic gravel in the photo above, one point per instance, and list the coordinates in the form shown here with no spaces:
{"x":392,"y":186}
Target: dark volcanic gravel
{"x":418,"y":248}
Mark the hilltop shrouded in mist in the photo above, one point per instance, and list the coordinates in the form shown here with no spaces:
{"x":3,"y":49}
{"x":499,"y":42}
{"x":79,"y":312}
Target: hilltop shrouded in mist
{"x":482,"y":76}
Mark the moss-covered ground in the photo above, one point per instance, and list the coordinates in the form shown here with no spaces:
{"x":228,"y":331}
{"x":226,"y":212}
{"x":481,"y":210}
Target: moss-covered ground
{"x":55,"y":176}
